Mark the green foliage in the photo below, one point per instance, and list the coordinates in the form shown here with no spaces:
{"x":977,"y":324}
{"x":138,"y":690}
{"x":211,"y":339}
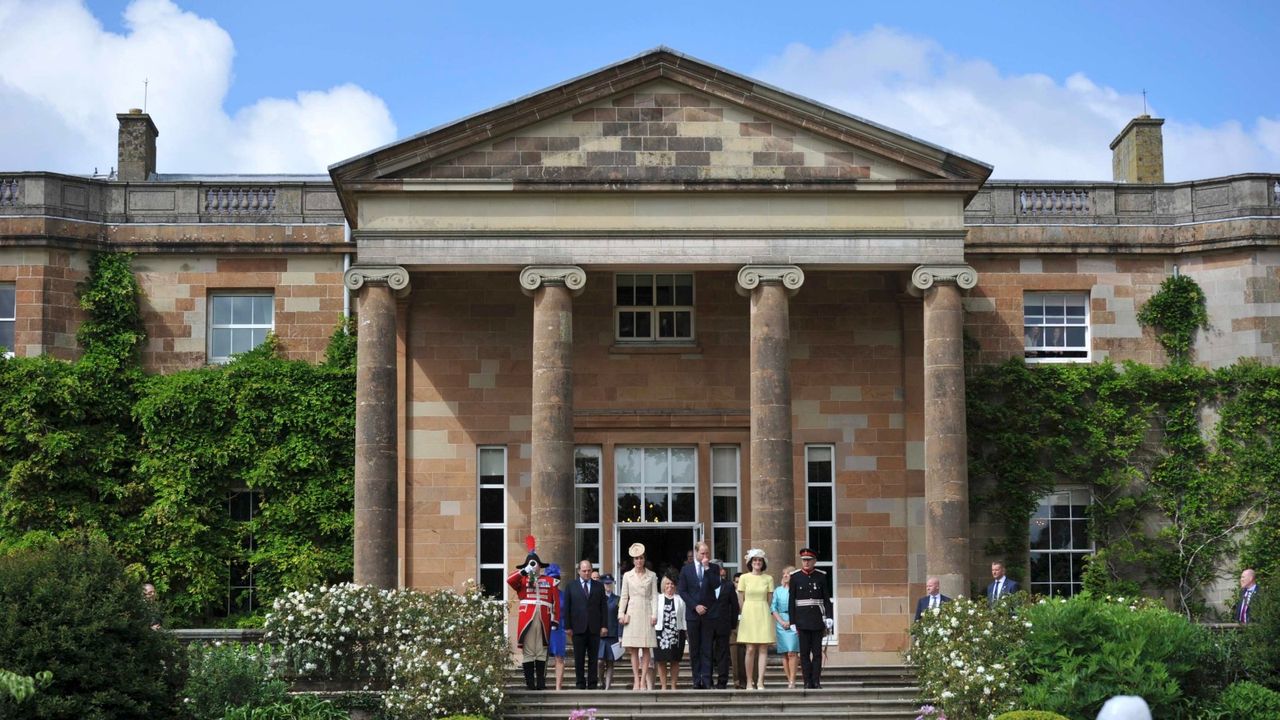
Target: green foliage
{"x":1258,"y":646}
{"x":1244,"y":701}
{"x":341,"y":352}
{"x":284,"y":428}
{"x":438,"y":654}
{"x":962,"y":655}
{"x":222,"y":677}
{"x":1177,"y":310}
{"x":1083,"y":651}
{"x":293,"y":707}
{"x":1173,"y":494}
{"x":1031,"y":715}
{"x":70,"y":609}
{"x":20,"y":687}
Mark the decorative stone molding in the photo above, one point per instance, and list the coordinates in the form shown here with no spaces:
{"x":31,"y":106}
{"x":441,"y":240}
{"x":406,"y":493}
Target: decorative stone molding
{"x":750,"y":277}
{"x":924,"y":276}
{"x":535,"y":276}
{"x":396,"y":277}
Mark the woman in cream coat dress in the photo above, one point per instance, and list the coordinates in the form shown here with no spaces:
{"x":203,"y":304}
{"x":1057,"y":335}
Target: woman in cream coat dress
{"x":638,"y":614}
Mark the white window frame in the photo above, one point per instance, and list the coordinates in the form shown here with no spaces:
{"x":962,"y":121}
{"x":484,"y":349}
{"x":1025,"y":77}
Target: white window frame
{"x":1045,"y":353}
{"x":588,"y":451}
{"x":213,"y":328}
{"x":654,"y":309}
{"x":827,"y":566}
{"x":1043,"y":519}
{"x":11,"y":318}
{"x":645,"y":485}
{"x":251,"y":585}
{"x":501,"y":526}
{"x":734,"y":561}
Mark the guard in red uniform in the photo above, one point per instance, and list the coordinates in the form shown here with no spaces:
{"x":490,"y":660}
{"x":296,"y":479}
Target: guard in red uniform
{"x":539,"y":608}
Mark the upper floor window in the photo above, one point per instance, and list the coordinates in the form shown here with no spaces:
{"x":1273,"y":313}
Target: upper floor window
{"x":8,"y":318}
{"x":238,"y":322}
{"x":654,"y":306}
{"x":1059,"y":543}
{"x":1056,"y":326}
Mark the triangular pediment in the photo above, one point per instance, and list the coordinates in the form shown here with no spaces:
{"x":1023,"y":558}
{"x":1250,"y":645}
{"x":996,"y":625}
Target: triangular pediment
{"x":662,"y":117}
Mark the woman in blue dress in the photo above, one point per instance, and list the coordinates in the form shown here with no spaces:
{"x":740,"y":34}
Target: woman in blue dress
{"x":557,"y":642}
{"x":788,"y":646}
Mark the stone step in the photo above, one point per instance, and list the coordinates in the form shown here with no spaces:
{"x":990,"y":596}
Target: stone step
{"x":887,"y":703}
{"x":846,"y":676}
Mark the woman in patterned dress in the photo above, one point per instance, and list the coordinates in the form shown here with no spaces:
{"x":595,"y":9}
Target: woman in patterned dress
{"x":788,"y":639}
{"x":755,"y":589}
{"x":638,"y":614}
{"x":671,"y":629}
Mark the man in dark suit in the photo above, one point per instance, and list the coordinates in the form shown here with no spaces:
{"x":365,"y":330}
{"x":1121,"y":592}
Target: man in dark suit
{"x":1000,"y":584}
{"x":723,"y":619}
{"x":697,"y":586}
{"x":585,"y":610}
{"x":1248,"y":588}
{"x":933,"y":598}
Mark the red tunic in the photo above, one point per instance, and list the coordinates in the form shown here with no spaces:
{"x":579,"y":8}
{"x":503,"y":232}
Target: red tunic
{"x":540,"y":596}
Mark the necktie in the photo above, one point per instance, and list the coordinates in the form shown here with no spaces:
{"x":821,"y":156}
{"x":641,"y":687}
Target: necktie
{"x":699,"y":575}
{"x":933,"y":602}
{"x":1244,"y":607}
{"x":584,"y":588}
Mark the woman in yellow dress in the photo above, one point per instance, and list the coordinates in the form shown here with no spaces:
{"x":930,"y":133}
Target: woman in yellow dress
{"x":756,"y":630}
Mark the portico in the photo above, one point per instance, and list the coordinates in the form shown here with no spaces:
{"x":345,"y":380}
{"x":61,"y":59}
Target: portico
{"x":664,"y":297}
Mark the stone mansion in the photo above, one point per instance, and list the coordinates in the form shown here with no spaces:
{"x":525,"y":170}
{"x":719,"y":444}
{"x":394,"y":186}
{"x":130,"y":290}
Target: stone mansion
{"x":662,"y":302}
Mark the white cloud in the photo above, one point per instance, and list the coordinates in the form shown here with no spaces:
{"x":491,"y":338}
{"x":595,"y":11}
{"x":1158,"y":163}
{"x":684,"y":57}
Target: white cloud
{"x":1027,"y":126}
{"x":63,"y":78}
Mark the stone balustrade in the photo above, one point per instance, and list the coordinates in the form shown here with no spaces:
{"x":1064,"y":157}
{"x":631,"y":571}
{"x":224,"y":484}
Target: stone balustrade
{"x":1107,"y":203}
{"x":172,"y":199}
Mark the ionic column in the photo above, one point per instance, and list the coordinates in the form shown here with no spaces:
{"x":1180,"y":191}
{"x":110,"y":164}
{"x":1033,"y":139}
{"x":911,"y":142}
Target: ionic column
{"x":946,"y":479}
{"x":551,"y":503}
{"x":773,"y":523}
{"x":375,"y":513}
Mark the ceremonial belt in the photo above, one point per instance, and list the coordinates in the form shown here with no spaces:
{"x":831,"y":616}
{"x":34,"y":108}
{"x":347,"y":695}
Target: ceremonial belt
{"x":809,"y":603}
{"x":536,"y":602}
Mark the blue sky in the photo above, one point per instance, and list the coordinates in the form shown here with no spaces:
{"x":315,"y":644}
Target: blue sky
{"x":1037,"y":89}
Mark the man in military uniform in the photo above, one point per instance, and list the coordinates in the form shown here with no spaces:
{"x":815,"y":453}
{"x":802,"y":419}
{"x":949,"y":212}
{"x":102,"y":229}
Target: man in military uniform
{"x":811,"y":614}
{"x":539,"y":608}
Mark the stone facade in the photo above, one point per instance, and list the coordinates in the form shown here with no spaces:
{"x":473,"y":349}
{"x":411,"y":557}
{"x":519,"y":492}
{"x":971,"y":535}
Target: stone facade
{"x":659,"y":165}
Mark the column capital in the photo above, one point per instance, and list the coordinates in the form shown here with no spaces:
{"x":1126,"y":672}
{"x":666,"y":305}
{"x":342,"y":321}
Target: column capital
{"x":750,"y":277}
{"x":395,"y":277}
{"x":924,"y":276}
{"x":535,"y":276}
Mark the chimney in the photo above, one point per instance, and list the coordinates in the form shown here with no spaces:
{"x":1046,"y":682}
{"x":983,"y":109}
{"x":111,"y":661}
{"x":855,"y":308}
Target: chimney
{"x":1137,"y":153}
{"x":137,"y":147}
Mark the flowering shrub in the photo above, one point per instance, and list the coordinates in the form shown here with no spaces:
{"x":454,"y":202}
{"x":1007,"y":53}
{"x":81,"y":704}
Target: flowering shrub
{"x":961,"y":654}
{"x":437,"y":653}
{"x":929,"y":712}
{"x":222,"y":676}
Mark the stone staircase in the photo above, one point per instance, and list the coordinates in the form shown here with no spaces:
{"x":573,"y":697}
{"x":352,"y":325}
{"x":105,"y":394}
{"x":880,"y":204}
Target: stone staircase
{"x":874,"y":692}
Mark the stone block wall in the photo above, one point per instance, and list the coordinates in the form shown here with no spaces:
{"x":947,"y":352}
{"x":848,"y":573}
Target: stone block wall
{"x":47,"y":313}
{"x":1243,"y":299}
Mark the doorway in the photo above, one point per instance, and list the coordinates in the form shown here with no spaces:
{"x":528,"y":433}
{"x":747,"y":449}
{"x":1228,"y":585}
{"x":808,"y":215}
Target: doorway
{"x":666,"y":547}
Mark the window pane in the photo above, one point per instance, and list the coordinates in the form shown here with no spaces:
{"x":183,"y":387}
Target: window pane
{"x":666,"y":289}
{"x":626,"y":324}
{"x":644,"y":327}
{"x":655,"y":507}
{"x":1075,"y":311}
{"x":820,"y":541}
{"x":8,"y":293}
{"x":644,"y":290}
{"x":221,"y":310}
{"x":819,"y":464}
{"x":629,"y":507}
{"x":684,"y":324}
{"x":820,"y":503}
{"x":1075,"y":337}
{"x":666,"y":324}
{"x":241,"y":310}
{"x":625,"y":294}
{"x":724,"y":543}
{"x":724,"y":505}
{"x":1080,"y":535}
{"x":1060,"y":534}
{"x":221,"y":342}
{"x":724,"y":465}
{"x":586,"y":466}
{"x":588,"y":505}
{"x":683,"y":466}
{"x":655,"y":466}
{"x":491,"y":466}
{"x":6,"y":335}
{"x":262,"y":310}
{"x":492,"y":550}
{"x":1039,"y":567}
{"x":587,"y":545}
{"x":1059,"y":567}
{"x":684,"y":289}
{"x":259,"y":336}
{"x":628,"y":461}
{"x":240,"y":506}
{"x":1034,"y":336}
{"x":493,"y":580}
{"x":1040,"y":533}
{"x":241,"y":340}
{"x":492,"y":504}
{"x":682,"y":505}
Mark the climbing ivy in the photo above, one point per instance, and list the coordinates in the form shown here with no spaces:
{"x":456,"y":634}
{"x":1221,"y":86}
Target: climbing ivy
{"x":1177,"y":310}
{"x":147,"y":461}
